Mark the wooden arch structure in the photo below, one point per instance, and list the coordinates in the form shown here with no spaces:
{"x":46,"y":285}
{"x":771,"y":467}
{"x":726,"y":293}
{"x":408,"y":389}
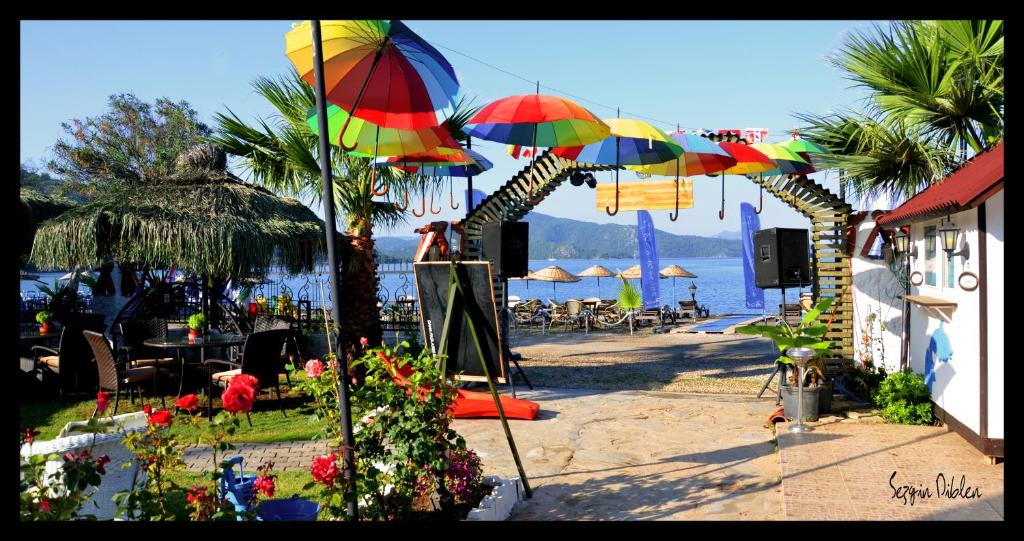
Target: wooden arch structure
{"x":827,"y":211}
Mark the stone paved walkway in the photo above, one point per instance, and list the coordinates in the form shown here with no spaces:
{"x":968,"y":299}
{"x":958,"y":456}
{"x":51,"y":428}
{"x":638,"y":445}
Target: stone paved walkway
{"x":842,"y":470}
{"x":286,"y":455}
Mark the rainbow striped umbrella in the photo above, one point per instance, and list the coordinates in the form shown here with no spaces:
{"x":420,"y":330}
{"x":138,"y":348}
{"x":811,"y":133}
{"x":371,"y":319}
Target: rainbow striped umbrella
{"x":378,"y":70}
{"x":787,"y":162}
{"x":632,"y":142}
{"x":367,"y":139}
{"x":700,"y":156}
{"x":478,"y":165}
{"x":538,"y":120}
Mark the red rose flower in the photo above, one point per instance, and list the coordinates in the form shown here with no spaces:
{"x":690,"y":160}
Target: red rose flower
{"x":147,"y":409}
{"x":188,"y":402}
{"x":314,"y":367}
{"x":364,"y":342}
{"x":160,"y":417}
{"x":103,"y":459}
{"x":264,"y":484}
{"x":44,"y":505}
{"x":238,"y":398}
{"x":325,"y":469}
{"x":102,"y":401}
{"x":29,"y":434}
{"x":245,"y":379}
{"x":196,"y":493}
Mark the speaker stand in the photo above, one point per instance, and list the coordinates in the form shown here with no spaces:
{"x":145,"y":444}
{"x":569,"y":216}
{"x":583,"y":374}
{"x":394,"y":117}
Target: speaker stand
{"x":782,"y":377}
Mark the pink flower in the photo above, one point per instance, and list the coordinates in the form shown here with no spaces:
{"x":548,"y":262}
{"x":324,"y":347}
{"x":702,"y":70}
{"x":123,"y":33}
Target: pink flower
{"x":44,"y":505}
{"x":364,"y":342}
{"x":333,"y":364}
{"x":314,"y":367}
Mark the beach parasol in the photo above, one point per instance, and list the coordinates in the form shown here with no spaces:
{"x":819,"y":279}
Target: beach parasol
{"x":632,"y":142}
{"x":529,"y":276}
{"x":475,"y":165}
{"x":673,"y":272}
{"x":749,"y":161}
{"x":537,"y":120}
{"x":804,"y":149}
{"x":700,"y":156}
{"x":554,"y":274}
{"x":377,"y":70}
{"x":632,"y":272}
{"x":596,"y":271}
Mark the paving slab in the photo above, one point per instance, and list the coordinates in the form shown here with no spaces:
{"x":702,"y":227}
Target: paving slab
{"x":868,"y":471}
{"x":638,"y":455}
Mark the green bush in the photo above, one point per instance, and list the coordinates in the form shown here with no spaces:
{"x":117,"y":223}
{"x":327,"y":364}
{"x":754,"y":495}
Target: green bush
{"x":197,"y":321}
{"x":44,"y":316}
{"x":904,"y":398}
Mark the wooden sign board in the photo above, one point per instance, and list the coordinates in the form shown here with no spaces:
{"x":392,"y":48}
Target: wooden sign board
{"x":463,"y":361}
{"x":646,"y":195}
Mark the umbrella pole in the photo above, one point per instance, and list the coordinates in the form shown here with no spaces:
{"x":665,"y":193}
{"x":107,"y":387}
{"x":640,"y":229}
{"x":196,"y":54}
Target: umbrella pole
{"x":344,"y":406}
{"x":469,"y":183}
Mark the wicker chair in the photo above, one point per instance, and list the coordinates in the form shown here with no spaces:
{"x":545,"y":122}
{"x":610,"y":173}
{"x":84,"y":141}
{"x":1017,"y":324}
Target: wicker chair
{"x":290,"y":349}
{"x":134,"y":333}
{"x":573,"y":313}
{"x":526,"y":311}
{"x":112,"y":377}
{"x":71,"y":363}
{"x":261,"y":358}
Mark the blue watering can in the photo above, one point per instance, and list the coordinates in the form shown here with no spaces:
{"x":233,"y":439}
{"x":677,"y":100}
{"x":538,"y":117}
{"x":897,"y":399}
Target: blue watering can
{"x":237,"y":490}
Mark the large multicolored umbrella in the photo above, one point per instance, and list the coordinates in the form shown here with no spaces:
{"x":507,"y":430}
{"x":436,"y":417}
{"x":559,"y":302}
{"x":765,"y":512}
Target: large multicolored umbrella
{"x":478,"y":165}
{"x":377,"y":70}
{"x":537,"y":120}
{"x":804,"y":149}
{"x":749,"y":161}
{"x":632,"y":142}
{"x":366,"y":139}
{"x":787,"y":162}
{"x":700,"y":156}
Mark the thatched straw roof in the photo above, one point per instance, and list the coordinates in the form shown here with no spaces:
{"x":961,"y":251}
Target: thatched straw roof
{"x":529,"y":276}
{"x":675,"y":271}
{"x":632,"y":272}
{"x":202,"y":218}
{"x":596,"y":271}
{"x":554,"y":274}
{"x":36,"y":208}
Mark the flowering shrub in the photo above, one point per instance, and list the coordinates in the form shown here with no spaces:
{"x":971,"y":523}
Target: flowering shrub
{"x":321,"y":383}
{"x":60,"y":495}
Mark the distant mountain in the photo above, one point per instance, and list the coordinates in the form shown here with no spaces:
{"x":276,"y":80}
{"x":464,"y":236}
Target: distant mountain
{"x":728,"y":235}
{"x":562,"y":238}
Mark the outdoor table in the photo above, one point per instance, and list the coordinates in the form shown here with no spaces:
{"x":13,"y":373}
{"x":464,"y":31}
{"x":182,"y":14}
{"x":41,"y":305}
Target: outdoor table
{"x":182,"y":342}
{"x":34,"y":336}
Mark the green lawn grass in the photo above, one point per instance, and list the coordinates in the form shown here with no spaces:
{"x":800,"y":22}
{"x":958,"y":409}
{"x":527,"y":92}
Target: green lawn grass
{"x":48,"y":415}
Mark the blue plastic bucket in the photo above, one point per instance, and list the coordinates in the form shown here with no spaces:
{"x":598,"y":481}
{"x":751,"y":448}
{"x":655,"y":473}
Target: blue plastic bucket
{"x":293,"y":508}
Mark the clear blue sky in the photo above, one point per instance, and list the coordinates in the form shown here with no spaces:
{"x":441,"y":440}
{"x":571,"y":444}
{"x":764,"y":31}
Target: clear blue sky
{"x":699,"y":74}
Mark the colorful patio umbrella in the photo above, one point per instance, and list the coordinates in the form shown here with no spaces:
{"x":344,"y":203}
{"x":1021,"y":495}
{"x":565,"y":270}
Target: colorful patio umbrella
{"x":478,"y":165}
{"x":366,"y":139}
{"x":700,"y":156}
{"x":432,"y":164}
{"x":554,"y":274}
{"x":787,"y":161}
{"x":596,"y":271}
{"x":749,"y":161}
{"x":632,"y":142}
{"x":804,"y":149}
{"x":377,"y":70}
{"x":537,"y":120}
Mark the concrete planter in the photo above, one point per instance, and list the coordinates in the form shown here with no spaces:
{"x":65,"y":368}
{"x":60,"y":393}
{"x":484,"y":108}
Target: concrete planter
{"x":499,"y":503}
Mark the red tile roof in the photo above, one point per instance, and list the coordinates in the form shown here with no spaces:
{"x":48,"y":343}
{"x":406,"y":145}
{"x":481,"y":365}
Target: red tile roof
{"x":966,"y":188}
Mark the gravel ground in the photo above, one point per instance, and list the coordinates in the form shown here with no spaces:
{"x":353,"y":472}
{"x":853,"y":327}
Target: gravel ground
{"x":675,"y":361}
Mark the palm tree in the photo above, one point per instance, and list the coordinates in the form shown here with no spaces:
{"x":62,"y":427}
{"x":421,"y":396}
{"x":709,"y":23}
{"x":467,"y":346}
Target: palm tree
{"x":935,"y":97}
{"x":283,"y":156}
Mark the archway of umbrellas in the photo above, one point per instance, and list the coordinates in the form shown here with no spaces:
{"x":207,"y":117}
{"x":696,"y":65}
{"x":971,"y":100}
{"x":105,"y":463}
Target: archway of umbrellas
{"x":385,"y":85}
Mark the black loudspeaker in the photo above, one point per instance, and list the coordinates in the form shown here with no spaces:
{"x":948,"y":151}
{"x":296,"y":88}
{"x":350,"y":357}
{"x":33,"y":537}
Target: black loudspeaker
{"x":506,"y":246}
{"x":781,"y":259}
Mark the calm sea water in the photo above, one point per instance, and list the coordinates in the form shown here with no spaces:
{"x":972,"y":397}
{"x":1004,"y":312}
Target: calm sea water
{"x":719,"y":284}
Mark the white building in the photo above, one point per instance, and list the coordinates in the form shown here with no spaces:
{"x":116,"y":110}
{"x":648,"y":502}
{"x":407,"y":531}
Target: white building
{"x":956,"y":302}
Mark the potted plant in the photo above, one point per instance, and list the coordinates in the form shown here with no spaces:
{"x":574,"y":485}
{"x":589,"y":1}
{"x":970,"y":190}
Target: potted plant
{"x":807,"y":334}
{"x":44,"y":317}
{"x":196,"y":324}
